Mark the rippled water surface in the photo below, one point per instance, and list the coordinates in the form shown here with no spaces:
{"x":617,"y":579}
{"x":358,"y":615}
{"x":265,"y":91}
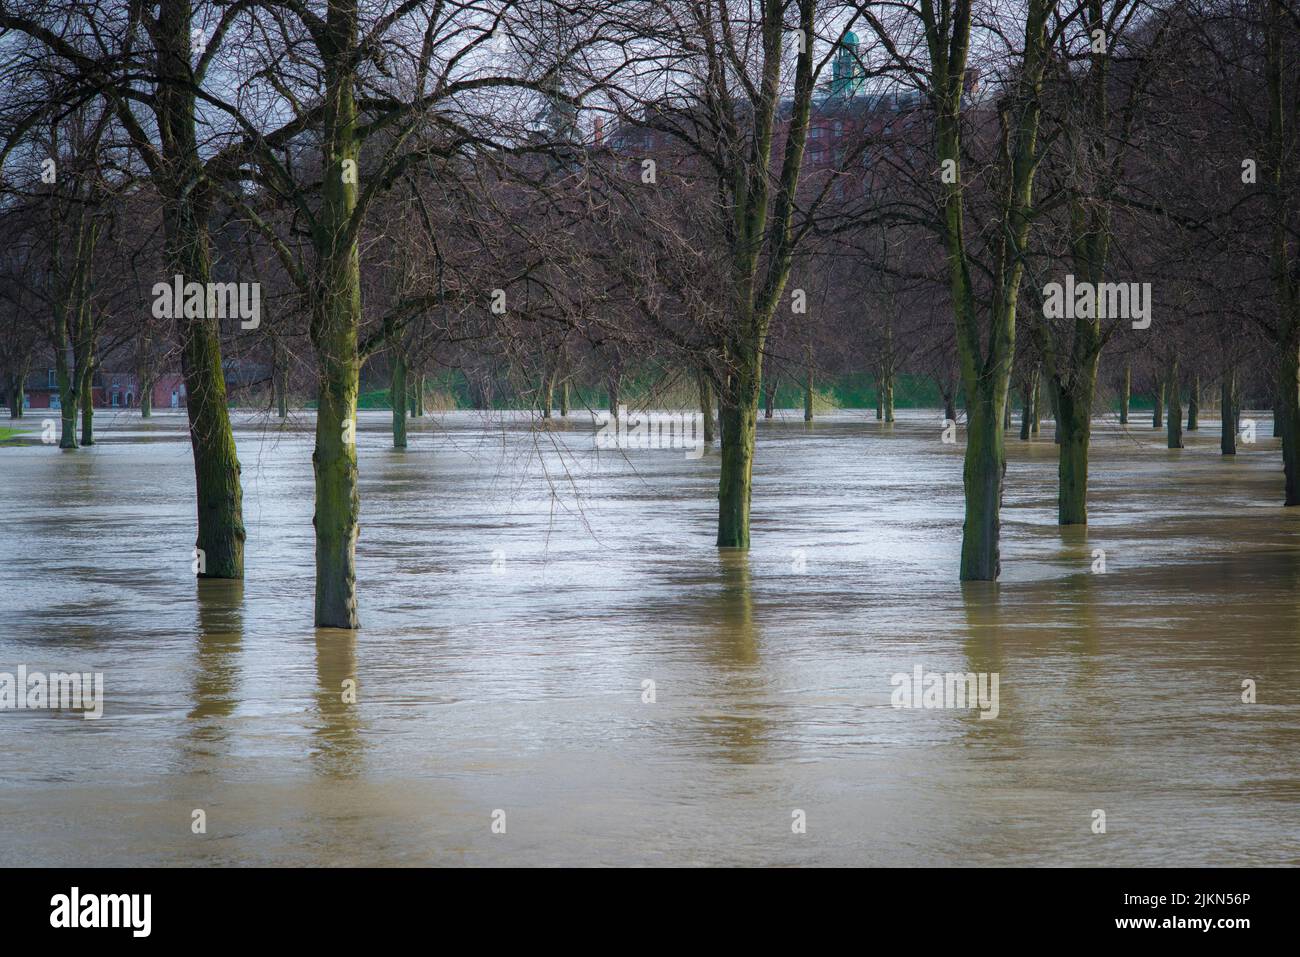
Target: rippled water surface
{"x":517,"y":588}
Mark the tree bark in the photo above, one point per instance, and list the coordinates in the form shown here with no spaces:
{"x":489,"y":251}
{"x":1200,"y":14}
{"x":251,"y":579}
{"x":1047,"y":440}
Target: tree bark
{"x":1288,"y":385}
{"x":335,"y":325}
{"x":87,"y":401}
{"x":982,"y":476}
{"x":1175,"y":413}
{"x":1125,"y":391}
{"x":1229,"y":413}
{"x":1075,"y":421}
{"x":706,"y":406}
{"x":185,"y":202}
{"x":739,"y":421}
{"x":398,"y":397}
{"x":1158,"y":409}
{"x":808,"y":385}
{"x":1194,"y":404}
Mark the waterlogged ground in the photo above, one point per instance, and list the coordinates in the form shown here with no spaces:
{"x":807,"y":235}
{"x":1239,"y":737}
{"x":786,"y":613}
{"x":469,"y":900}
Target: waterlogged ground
{"x":517,"y":589}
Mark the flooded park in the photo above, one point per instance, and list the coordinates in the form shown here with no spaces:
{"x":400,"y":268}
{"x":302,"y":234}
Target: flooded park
{"x":519,"y":587}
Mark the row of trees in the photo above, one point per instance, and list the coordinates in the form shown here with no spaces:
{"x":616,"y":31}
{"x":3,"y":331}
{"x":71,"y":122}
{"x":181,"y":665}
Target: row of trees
{"x":570,"y":194}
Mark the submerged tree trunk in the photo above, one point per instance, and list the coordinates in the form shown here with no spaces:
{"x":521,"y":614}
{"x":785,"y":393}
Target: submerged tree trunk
{"x":1288,"y":385}
{"x":739,"y":422}
{"x":87,"y":400}
{"x":1029,"y":404}
{"x":614,"y":388}
{"x":548,"y":393}
{"x":1125,"y":390}
{"x":1194,"y":404}
{"x":982,"y":476}
{"x":185,"y":203}
{"x":1175,"y":414}
{"x":398,"y":397}
{"x":1229,"y":413}
{"x":808,"y":386}
{"x":335,"y":326}
{"x":69,"y":405}
{"x":1075,"y":425}
{"x":1054,"y":396}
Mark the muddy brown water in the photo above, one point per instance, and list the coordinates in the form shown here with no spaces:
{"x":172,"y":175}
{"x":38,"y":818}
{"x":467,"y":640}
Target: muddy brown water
{"x":519,"y":588}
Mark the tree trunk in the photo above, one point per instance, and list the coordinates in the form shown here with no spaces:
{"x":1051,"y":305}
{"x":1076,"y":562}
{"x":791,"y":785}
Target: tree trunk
{"x":334,"y":333}
{"x":706,"y":406}
{"x":880,"y":395}
{"x":1288,"y":386}
{"x":1125,"y":390}
{"x":1054,"y":396}
{"x":1175,"y":414}
{"x":769,"y":397}
{"x":739,"y":423}
{"x":949,"y":407}
{"x":982,"y":476}
{"x":69,"y":404}
{"x":808,"y":386}
{"x":564,"y":395}
{"x":1194,"y":404}
{"x":1029,"y":405}
{"x":548,"y":393}
{"x":614,"y":388}
{"x":398,"y":397}
{"x":419,"y":394}
{"x":185,"y":227}
{"x":1036,"y":424}
{"x":1228,"y":413}
{"x":1158,"y":411}
{"x":1075,"y":422}
{"x":889,"y":396}
{"x":87,"y":400}
{"x":280,"y":378}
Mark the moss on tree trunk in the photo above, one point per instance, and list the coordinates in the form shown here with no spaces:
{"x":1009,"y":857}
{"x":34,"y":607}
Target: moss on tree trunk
{"x":182,"y":184}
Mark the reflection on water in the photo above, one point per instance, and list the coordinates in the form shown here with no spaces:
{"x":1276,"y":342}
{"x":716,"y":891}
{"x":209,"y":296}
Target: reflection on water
{"x":337,"y":731}
{"x":519,"y":589}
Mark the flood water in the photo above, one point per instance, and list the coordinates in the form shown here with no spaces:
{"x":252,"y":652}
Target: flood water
{"x":517,"y":588}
